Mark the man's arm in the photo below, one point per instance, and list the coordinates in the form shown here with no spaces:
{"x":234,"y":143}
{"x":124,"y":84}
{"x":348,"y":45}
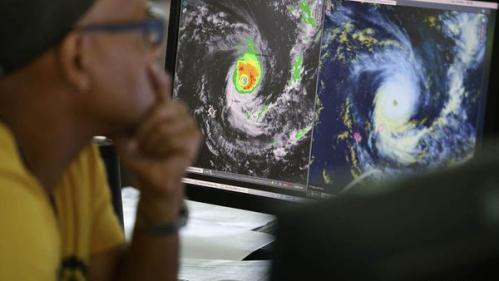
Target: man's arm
{"x":158,"y":155}
{"x":146,"y":258}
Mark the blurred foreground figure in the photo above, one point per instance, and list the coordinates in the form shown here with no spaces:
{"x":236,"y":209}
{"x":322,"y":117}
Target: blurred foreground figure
{"x":71,"y":70}
{"x":443,"y":226}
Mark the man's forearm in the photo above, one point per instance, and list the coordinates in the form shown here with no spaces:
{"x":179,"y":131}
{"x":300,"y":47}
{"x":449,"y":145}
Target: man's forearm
{"x":150,"y":256}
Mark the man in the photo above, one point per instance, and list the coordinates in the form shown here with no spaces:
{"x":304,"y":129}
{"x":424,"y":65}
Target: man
{"x":70,"y":70}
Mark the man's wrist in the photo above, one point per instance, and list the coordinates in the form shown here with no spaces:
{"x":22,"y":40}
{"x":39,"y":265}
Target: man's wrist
{"x":156,"y":228}
{"x":159,"y":205}
{"x":160,"y":209}
{"x":161,"y":213}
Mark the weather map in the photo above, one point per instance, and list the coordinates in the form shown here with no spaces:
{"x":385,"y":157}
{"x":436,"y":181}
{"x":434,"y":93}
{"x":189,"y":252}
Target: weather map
{"x":400,"y":91}
{"x":248,"y":69}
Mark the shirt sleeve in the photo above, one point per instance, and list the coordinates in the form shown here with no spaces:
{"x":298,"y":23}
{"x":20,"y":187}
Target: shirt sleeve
{"x":106,"y":229}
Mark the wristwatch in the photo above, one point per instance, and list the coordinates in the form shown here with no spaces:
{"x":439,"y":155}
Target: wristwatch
{"x":163,"y":229}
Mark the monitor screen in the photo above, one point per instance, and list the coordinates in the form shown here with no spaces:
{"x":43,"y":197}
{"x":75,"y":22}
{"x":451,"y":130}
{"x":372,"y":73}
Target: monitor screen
{"x":305,"y":98}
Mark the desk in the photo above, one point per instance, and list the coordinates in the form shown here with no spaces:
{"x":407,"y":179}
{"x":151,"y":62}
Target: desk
{"x":219,"y":243}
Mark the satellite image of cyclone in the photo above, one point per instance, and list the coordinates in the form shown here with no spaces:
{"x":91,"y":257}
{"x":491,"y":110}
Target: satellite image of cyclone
{"x":248,"y":70}
{"x":399,"y":91}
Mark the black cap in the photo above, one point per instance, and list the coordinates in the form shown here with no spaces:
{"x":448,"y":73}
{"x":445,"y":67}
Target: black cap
{"x":28,"y":28}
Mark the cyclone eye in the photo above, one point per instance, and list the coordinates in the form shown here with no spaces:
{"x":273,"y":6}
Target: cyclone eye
{"x":244,"y":80}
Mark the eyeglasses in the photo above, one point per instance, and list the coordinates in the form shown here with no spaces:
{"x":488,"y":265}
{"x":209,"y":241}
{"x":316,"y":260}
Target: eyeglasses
{"x":152,"y":29}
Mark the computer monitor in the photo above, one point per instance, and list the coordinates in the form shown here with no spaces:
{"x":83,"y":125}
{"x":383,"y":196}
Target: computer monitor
{"x":302,"y":99}
{"x":441,"y":226}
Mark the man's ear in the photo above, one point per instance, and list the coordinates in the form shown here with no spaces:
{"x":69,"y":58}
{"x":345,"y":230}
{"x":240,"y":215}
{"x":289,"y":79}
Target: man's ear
{"x":72,"y":61}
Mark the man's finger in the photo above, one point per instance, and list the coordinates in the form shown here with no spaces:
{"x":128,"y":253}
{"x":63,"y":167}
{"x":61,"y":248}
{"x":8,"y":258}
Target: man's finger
{"x":163,"y":113}
{"x":167,"y":115}
{"x":161,"y":83}
{"x":167,"y":131}
{"x":167,"y":139}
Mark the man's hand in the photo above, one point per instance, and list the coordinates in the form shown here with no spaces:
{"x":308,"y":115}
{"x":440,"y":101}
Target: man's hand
{"x":164,"y":145}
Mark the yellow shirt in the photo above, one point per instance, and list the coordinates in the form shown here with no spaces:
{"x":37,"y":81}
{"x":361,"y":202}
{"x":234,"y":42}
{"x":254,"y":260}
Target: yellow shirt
{"x":43,"y":242}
